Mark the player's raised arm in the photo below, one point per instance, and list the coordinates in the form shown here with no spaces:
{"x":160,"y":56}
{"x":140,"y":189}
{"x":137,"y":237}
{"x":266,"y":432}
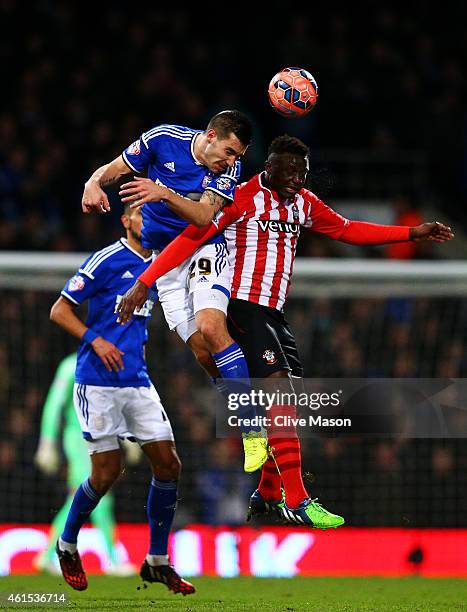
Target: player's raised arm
{"x":94,"y":197}
{"x":198,"y":213}
{"x":62,"y":313}
{"x":327,"y":221}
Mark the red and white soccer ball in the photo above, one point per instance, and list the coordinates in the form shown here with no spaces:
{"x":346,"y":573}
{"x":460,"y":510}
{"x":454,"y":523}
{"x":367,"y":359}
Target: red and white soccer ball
{"x":293,"y":92}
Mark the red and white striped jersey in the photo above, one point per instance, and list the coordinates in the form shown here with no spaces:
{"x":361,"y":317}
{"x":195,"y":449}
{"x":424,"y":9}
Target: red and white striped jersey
{"x":262,"y":233}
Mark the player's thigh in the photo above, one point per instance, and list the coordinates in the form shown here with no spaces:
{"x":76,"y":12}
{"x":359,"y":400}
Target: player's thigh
{"x":174,"y":296}
{"x":145,"y":417}
{"x":100,"y":416}
{"x":208,"y":285}
{"x":255,"y":331}
{"x":289,"y":346}
{"x":209,"y":278}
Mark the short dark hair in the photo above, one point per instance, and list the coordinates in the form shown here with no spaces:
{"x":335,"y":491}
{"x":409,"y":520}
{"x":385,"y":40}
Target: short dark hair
{"x":232,"y":121}
{"x":288,"y":144}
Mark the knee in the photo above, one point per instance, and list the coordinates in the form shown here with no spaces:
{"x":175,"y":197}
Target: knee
{"x":169,"y":469}
{"x":213,"y":329}
{"x":216,"y":336}
{"x":208,"y":328}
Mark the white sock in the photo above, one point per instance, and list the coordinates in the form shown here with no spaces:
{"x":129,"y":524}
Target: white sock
{"x":71,"y":548}
{"x":157,"y":559}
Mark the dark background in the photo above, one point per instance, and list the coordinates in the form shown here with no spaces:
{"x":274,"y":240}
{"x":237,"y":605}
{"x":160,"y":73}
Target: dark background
{"x":80,"y":82}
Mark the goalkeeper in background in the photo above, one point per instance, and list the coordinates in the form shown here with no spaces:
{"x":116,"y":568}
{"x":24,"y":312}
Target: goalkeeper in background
{"x":58,"y":409}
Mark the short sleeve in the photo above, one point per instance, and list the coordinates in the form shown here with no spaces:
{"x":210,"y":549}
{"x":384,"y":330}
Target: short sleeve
{"x":322,"y":219}
{"x":84,"y":285}
{"x":140,"y":153}
{"x":225,"y":184}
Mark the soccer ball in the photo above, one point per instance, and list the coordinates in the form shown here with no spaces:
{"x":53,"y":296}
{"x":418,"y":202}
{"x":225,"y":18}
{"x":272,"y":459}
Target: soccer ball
{"x":293,"y":92}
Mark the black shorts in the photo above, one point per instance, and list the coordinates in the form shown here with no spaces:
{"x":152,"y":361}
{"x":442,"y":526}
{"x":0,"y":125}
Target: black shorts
{"x":264,"y":337}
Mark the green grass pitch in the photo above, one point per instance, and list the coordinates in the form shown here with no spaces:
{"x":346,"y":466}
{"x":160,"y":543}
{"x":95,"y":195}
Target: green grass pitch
{"x":265,"y":594}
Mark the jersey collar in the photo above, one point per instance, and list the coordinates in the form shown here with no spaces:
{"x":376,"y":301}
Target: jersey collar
{"x":124,"y":241}
{"x":192,"y":149}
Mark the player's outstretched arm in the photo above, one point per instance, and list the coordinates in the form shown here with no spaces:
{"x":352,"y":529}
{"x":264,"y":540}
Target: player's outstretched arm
{"x":94,"y":197}
{"x":62,"y":313}
{"x":172,"y":256}
{"x":362,"y":233}
{"x":141,"y":190}
{"x":327,"y":221}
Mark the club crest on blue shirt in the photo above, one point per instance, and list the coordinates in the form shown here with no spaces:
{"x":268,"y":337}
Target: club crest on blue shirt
{"x":135,"y":148}
{"x":76,"y":283}
{"x":224,"y":183}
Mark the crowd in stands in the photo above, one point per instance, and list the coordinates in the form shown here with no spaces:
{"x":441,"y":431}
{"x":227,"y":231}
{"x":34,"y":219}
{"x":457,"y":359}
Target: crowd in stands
{"x":81,"y":86}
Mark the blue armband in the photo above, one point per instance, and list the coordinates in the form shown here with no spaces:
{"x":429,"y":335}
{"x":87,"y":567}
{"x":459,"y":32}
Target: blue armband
{"x":89,"y":336}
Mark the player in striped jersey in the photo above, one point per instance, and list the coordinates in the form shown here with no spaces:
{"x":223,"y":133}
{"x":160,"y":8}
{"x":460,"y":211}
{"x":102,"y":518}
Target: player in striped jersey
{"x":262,"y":227}
{"x":191,"y":175}
{"x":114,"y":398}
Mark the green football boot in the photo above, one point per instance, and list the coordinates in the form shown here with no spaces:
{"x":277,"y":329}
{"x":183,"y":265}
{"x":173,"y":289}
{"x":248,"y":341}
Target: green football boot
{"x":309,"y":512}
{"x":255,"y":446}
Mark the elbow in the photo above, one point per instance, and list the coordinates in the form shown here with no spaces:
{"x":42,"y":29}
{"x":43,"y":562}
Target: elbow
{"x":53,"y":314}
{"x":56,"y":312}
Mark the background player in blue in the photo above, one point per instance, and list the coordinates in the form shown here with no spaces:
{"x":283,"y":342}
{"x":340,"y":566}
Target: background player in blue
{"x":191,"y":175}
{"x":113,"y":398}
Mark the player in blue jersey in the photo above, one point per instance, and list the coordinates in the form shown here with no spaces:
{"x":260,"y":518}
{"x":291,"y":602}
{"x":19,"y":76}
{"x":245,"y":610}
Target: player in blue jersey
{"x":114,"y":398}
{"x":191,"y":175}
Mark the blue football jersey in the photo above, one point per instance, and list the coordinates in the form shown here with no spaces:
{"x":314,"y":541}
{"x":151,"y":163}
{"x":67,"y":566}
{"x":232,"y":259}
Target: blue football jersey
{"x":166,"y":154}
{"x":102,"y":280}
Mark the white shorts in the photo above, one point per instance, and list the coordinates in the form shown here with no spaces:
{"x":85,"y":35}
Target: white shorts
{"x":201,"y":282}
{"x":106,"y":414}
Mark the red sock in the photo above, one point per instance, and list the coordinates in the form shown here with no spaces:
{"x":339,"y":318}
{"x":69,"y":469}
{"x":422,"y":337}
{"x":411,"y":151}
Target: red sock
{"x":287,"y":456}
{"x":270,"y":483}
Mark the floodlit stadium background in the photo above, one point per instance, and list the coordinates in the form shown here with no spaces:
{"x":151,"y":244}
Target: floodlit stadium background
{"x":389,"y":144}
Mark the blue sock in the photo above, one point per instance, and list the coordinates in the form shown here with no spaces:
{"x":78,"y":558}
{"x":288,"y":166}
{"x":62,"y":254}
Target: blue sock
{"x":232,"y":366}
{"x":85,"y":500}
{"x":162,"y":502}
